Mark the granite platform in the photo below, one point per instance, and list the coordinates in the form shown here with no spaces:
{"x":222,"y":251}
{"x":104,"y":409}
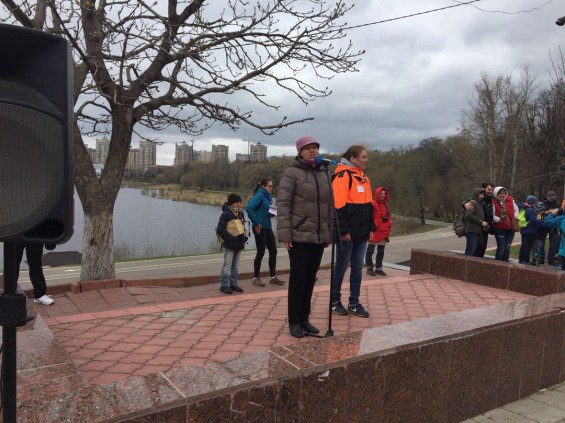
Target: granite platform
{"x":435,"y":348}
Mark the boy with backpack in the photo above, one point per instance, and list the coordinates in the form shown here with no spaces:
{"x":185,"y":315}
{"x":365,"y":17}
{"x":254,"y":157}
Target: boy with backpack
{"x":231,"y":229}
{"x":529,"y":224}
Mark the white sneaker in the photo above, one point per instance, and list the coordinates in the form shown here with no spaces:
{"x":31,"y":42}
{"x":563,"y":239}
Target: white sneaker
{"x":45,"y":300}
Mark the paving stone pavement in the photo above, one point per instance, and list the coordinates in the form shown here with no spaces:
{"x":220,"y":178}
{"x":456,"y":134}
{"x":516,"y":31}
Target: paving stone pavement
{"x":113,"y":334}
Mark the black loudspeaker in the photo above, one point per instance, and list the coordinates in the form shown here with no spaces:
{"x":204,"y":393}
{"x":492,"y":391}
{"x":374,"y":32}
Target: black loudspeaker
{"x":36,"y":113}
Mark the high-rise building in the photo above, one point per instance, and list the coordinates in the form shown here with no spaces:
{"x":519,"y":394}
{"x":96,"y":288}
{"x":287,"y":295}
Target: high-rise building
{"x":91,"y":153}
{"x":183,"y":153}
{"x":258,"y":152}
{"x":220,"y":153}
{"x":102,"y":148}
{"x":133,"y":159}
{"x":147,"y":154}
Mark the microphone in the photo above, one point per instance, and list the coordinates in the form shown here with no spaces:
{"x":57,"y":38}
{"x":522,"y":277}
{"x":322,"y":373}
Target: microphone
{"x":320,"y":160}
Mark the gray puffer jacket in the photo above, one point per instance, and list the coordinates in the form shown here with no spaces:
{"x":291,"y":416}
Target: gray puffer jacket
{"x":304,"y":208}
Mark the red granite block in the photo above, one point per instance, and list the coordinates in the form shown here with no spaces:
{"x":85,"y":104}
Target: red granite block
{"x":216,"y":409}
{"x":401,"y":389}
{"x":449,"y":265}
{"x":534,"y":334}
{"x":533,"y":280}
{"x":91,"y":285}
{"x":511,"y":358}
{"x":174,"y":415}
{"x":261,"y":403}
{"x":461,"y":379}
{"x":488,"y":349}
{"x":486,"y":272}
{"x":365,"y":382}
{"x":137,"y":282}
{"x":112,"y":283}
{"x":419,"y":261}
{"x":552,"y":350}
{"x":327,"y":388}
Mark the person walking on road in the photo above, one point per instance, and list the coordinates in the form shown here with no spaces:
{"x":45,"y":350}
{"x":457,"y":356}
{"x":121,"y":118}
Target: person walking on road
{"x":353,"y":203}
{"x":258,"y":209}
{"x":304,"y":221}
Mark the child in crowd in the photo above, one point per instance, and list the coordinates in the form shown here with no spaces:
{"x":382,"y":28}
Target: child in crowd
{"x":530,"y":231}
{"x":231,"y":229}
{"x":383,"y":223}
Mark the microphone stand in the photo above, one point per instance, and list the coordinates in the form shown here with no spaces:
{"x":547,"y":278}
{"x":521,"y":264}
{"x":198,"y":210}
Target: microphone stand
{"x":335,"y":231}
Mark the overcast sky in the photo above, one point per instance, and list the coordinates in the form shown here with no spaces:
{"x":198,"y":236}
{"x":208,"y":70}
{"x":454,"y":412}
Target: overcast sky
{"x":415,"y":78}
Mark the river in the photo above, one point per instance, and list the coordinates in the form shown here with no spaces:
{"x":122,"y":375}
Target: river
{"x":147,"y":226}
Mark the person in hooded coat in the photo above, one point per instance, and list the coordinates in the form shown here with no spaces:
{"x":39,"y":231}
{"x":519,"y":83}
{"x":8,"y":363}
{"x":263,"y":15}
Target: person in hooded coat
{"x":475,"y":224}
{"x":383,"y":222}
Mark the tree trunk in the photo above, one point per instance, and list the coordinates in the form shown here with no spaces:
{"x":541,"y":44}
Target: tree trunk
{"x":98,"y":247}
{"x":98,"y":196}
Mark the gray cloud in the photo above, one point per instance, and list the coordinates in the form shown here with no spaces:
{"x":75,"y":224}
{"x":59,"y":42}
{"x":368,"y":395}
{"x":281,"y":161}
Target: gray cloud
{"x":416,"y":76}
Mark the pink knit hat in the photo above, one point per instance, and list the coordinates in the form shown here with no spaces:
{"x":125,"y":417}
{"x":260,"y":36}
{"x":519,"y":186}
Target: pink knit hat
{"x":304,"y":141}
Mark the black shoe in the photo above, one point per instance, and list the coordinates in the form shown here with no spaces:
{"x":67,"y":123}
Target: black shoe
{"x":236,"y":288}
{"x":308,"y":327}
{"x":550,"y":262}
{"x":380,"y":272}
{"x":370,"y":272}
{"x":339,"y":309}
{"x":226,"y":290}
{"x":358,"y":310}
{"x":296,"y":331}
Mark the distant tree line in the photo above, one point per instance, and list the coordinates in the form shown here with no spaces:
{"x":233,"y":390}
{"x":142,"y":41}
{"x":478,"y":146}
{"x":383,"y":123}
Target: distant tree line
{"x":511,"y":134}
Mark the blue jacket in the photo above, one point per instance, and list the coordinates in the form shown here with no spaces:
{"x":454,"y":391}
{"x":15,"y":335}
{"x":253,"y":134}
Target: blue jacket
{"x":258,"y":209}
{"x":552,"y":221}
{"x":533,"y":222}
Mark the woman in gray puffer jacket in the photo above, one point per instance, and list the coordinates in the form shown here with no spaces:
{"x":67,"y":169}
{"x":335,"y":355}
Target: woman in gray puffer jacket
{"x":304,"y":221}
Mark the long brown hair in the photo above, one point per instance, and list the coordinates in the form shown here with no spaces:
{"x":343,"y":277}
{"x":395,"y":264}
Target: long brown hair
{"x":354,"y":151}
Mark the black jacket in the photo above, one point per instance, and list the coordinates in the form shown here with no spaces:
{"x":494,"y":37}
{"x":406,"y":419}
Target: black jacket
{"x":231,"y":241}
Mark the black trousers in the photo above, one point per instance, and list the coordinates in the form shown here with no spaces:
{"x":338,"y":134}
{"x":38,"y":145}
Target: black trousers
{"x":482,"y":246}
{"x":34,"y":253}
{"x":526,"y":247}
{"x":266,"y":238}
{"x":305,"y":261}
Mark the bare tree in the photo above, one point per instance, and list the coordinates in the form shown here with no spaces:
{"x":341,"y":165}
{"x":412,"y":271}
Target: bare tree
{"x":496,"y":120}
{"x":143,"y":66}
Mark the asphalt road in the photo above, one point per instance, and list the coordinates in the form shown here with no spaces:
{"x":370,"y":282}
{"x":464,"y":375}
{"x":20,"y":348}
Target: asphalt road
{"x":398,"y":251}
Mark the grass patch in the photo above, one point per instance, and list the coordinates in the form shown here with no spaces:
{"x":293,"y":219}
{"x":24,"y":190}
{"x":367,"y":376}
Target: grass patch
{"x":407,"y":226}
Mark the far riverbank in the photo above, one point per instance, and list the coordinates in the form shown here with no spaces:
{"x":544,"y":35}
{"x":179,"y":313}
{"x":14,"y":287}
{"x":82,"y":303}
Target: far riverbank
{"x":175,"y":192}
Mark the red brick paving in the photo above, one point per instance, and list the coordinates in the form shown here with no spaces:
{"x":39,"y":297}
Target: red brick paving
{"x":115,"y":333}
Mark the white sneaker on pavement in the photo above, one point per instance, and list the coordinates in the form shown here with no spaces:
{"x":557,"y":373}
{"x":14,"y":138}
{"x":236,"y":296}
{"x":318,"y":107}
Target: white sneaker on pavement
{"x":45,"y":300}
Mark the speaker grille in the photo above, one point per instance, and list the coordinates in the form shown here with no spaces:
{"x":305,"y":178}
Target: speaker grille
{"x":31,"y":167}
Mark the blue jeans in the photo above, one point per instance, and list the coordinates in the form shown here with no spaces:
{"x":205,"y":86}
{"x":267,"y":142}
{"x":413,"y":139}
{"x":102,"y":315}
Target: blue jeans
{"x":348,"y":252}
{"x":473,"y":241}
{"x":504,"y":239}
{"x":228,"y":275}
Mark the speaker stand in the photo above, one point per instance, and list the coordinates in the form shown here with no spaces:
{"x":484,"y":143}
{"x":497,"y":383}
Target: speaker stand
{"x":13,"y":313}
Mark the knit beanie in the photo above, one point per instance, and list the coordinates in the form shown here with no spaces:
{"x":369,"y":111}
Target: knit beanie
{"x":551,"y":195}
{"x":304,"y":141}
{"x":531,"y":200}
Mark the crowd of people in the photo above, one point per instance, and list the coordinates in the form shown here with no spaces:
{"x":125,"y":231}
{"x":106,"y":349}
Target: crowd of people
{"x":493,"y":211}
